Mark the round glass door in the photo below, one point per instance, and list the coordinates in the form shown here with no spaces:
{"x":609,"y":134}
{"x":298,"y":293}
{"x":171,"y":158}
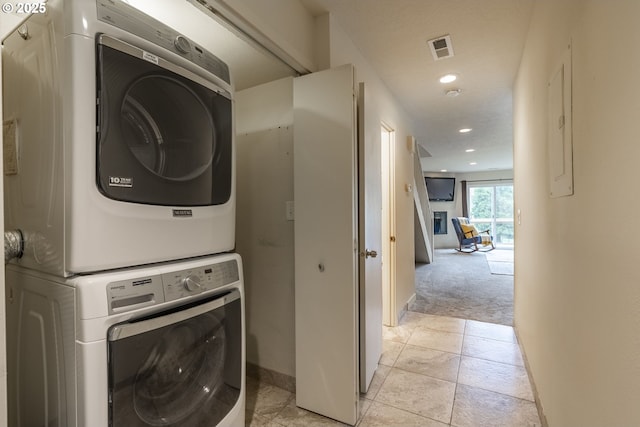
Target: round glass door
{"x":181,"y":371}
{"x":167,"y":128}
{"x":164,"y":134}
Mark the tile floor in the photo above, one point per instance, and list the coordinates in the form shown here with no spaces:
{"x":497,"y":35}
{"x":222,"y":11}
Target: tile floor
{"x":435,"y":371}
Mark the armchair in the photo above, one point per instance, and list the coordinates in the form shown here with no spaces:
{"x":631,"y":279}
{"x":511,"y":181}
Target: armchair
{"x":469,"y":238}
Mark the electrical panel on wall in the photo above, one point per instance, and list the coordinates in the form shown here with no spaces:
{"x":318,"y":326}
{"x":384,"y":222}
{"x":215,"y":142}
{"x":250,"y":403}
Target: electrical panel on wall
{"x":559,"y":142}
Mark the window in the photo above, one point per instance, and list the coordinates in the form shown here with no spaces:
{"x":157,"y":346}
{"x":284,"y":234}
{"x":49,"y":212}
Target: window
{"x":491,"y":208}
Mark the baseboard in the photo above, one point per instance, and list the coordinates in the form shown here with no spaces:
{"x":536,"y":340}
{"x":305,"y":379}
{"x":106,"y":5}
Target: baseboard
{"x":536,"y":396}
{"x":269,"y":376}
{"x":411,"y":300}
{"x":405,"y":307}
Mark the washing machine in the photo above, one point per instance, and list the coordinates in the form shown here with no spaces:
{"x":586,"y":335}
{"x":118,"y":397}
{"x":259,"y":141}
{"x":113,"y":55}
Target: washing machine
{"x":161,"y":345}
{"x":118,"y":140}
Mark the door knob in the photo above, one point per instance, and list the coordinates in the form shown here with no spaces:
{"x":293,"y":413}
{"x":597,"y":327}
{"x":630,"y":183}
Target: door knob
{"x":368,"y":253}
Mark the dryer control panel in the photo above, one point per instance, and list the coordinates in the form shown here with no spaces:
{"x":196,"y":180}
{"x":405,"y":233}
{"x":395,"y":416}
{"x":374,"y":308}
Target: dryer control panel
{"x":120,"y":14}
{"x":131,"y":294}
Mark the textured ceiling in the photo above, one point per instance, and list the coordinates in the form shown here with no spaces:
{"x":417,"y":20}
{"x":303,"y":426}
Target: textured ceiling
{"x":487,"y":38}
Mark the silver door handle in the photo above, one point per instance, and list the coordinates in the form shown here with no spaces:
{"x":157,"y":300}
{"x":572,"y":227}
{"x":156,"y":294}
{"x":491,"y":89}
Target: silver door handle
{"x":368,"y":253}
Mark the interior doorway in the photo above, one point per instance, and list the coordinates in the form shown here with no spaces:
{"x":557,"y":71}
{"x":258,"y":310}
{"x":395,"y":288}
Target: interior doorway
{"x":389,"y":312}
{"x":449,"y":286}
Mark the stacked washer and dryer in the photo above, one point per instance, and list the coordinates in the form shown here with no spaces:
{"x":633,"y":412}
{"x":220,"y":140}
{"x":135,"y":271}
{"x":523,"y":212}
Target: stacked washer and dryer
{"x":126,"y":305}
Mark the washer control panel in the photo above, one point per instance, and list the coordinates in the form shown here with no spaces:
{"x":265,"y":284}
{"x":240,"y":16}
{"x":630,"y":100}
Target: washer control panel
{"x":131,"y":294}
{"x":183,"y":283}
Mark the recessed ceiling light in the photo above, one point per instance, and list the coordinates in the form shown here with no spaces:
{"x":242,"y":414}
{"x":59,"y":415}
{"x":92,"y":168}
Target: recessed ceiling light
{"x":470,"y":150}
{"x":473,"y":163}
{"x":453,"y":92}
{"x":465,"y":130}
{"x":448,"y":78}
{"x":443,"y":170}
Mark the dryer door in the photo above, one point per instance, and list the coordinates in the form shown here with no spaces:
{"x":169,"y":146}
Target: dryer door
{"x":180,"y":368}
{"x":164,"y":133}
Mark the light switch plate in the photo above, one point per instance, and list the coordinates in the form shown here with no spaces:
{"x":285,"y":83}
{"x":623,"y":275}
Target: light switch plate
{"x":291,"y":211}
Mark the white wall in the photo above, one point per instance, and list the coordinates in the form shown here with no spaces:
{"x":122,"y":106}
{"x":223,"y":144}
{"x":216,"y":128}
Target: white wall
{"x":264,"y":238}
{"x":449,"y":240}
{"x":381,"y":107}
{"x":287,"y":23}
{"x":264,"y":235}
{"x":577,"y":285}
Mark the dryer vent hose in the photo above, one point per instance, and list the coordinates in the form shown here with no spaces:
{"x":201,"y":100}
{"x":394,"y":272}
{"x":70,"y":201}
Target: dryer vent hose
{"x":13,"y":245}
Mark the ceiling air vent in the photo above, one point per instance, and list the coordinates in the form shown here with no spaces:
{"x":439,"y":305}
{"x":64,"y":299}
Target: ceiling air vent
{"x":441,"y":47}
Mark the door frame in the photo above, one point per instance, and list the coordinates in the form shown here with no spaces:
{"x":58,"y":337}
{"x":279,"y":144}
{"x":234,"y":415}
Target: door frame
{"x":388,"y":150}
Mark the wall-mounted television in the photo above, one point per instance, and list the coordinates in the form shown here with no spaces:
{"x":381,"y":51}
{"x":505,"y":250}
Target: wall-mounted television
{"x":440,"y":189}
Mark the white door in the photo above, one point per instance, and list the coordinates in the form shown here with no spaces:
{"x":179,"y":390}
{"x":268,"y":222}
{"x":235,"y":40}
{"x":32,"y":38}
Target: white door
{"x":370,"y":240}
{"x":326,"y":250}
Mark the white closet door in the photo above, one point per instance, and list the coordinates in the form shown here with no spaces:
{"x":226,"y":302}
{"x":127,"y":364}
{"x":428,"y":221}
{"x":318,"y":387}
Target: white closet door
{"x":326,"y":258}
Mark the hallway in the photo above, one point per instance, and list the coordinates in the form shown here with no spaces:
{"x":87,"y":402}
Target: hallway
{"x":464,"y":286}
{"x":435,"y":371}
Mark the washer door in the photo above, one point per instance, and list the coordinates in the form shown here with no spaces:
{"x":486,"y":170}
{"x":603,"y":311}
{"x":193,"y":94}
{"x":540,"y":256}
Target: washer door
{"x":164,"y":134}
{"x":181,"y":372}
{"x":177,"y":369}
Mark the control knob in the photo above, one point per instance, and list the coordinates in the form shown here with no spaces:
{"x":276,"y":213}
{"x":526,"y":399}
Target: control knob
{"x":191,"y":283}
{"x":182,"y":44}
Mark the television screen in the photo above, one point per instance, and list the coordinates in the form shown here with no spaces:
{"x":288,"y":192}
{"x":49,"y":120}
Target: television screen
{"x":440,"y":189}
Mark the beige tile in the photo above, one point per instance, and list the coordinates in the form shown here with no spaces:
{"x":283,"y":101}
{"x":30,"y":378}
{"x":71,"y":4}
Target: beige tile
{"x":364,"y":406}
{"x":493,"y":376}
{"x":397,"y":333}
{"x":292,"y":416}
{"x":265,"y":400}
{"x":419,"y":394}
{"x":436,"y":340}
{"x":475,"y":407}
{"x":434,"y":363}
{"x":259,"y":421}
{"x":491,"y":331}
{"x":439,"y":323}
{"x":390,"y":352}
{"x":381,"y":415}
{"x":498,"y":351}
{"x":412,"y":319}
{"x":377,"y":381}
{"x":493,"y":388}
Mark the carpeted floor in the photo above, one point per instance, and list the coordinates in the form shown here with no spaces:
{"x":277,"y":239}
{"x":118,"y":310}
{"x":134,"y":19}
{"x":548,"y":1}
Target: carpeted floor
{"x":461,"y":285}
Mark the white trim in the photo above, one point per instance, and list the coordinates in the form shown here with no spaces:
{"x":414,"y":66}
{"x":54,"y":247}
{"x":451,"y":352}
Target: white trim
{"x":244,"y":29}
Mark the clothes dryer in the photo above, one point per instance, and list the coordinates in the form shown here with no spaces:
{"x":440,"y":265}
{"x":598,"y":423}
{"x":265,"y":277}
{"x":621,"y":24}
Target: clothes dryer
{"x":119,"y":140}
{"x":162,"y":345}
